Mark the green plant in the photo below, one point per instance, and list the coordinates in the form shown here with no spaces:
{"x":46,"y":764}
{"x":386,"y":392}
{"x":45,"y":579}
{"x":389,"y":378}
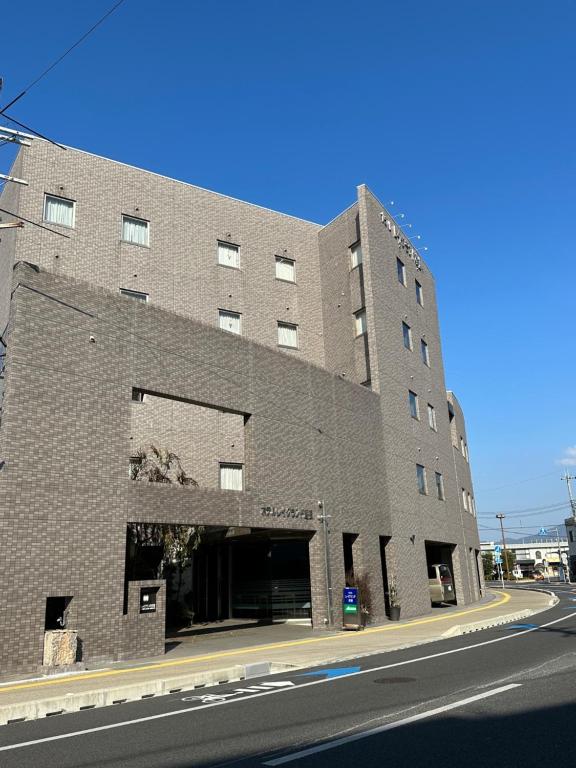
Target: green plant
{"x":159,"y":465}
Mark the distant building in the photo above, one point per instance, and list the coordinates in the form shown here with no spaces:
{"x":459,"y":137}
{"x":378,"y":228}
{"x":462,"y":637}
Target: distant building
{"x":534,"y":554}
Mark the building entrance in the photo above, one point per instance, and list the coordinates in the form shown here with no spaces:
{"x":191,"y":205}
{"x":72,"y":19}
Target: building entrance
{"x":440,"y":572}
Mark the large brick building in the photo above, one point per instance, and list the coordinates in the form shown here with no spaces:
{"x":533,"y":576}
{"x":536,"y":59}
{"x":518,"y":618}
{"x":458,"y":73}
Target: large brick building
{"x":294,"y":368}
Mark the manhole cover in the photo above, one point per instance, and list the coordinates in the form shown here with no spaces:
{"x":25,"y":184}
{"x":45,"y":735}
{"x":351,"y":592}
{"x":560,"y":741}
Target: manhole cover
{"x":388,"y":680}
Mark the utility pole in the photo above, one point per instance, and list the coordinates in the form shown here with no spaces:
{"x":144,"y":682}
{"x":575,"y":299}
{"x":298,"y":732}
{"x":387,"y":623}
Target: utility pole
{"x":323,"y":517}
{"x":501,"y":518}
{"x":568,"y":478}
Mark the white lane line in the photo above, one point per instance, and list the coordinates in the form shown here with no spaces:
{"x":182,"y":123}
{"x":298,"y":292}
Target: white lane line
{"x":242,"y":699}
{"x":388,"y":727}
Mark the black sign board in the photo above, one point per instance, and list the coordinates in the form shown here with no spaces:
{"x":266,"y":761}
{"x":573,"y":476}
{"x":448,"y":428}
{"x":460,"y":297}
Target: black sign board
{"x":148,"y":599}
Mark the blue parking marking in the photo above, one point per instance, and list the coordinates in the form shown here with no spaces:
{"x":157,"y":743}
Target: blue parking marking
{"x":524,"y":626}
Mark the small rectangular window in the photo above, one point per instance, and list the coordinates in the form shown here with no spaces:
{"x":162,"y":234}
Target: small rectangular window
{"x":424,"y":352}
{"x":285,"y":269}
{"x":229,"y":321}
{"x":58,"y":210}
{"x":439,"y":485}
{"x":360,"y":322}
{"x":470,"y":508}
{"x":464,"y":500}
{"x":137,"y":395}
{"x":134,"y":467}
{"x":135,"y":231}
{"x":229,"y":255}
{"x":419,"y":293}
{"x":421,"y":479}
{"x":287,"y":335}
{"x":413,"y":402}
{"x":136,"y":295}
{"x":231,"y":477}
{"x":355,"y":255}
{"x":407,"y":333}
{"x":401,"y":271}
{"x":432,"y":417}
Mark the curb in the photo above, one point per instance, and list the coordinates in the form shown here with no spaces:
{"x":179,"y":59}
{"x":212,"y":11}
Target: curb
{"x":77,"y":702}
{"x":498,"y":621}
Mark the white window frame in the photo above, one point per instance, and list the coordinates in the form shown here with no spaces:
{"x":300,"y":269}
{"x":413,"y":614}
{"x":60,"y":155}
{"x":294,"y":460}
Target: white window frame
{"x":425,"y":353}
{"x":229,"y":248}
{"x":287,"y":326}
{"x":423,"y":490}
{"x":413,"y":399}
{"x":410,"y":344}
{"x":134,"y":295}
{"x":283,"y":261}
{"x":360,"y":326}
{"x":432,"y":418}
{"x":126,"y":217}
{"x":223,"y":465}
{"x":59,"y":199}
{"x":439,"y":478}
{"x":401,"y":271}
{"x":227,"y":315}
{"x":356,"y":255}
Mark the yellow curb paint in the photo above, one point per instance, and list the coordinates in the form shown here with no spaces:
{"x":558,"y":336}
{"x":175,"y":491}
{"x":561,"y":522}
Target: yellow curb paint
{"x":253,"y":649}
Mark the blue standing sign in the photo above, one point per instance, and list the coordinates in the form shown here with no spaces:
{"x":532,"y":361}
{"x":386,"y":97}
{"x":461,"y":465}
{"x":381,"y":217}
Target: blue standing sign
{"x":350,"y":596}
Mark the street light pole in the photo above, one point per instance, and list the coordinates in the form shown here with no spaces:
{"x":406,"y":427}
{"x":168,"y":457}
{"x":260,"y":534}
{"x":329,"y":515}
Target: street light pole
{"x":501,"y":518}
{"x":569,"y":479}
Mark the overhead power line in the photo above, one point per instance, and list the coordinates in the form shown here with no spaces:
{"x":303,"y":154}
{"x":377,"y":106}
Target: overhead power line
{"x":62,"y":56}
{"x":546,"y":508}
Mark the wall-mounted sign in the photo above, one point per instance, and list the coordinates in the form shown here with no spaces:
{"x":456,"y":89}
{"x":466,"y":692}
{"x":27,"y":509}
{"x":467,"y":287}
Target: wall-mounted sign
{"x":148,"y":599}
{"x":287,"y":512}
{"x":396,"y":232}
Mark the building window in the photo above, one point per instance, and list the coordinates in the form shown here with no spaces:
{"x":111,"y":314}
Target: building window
{"x":470,"y":505}
{"x":421,"y":479}
{"x":360,"y":322}
{"x":432,"y":417}
{"x":419,"y":293}
{"x":424,"y":352}
{"x":136,"y":295}
{"x":401,"y":271}
{"x":137,"y":395}
{"x":407,"y":333}
{"x":355,"y":255}
{"x":229,"y":321}
{"x":464,"y":500}
{"x":440,"y":485}
{"x":285,"y":269}
{"x":287,"y":335}
{"x":538,"y":554}
{"x":134,"y":466}
{"x":228,"y":255}
{"x":413,"y":401}
{"x":231,"y":477}
{"x":135,"y":231}
{"x":58,"y":210}
{"x":571,"y":534}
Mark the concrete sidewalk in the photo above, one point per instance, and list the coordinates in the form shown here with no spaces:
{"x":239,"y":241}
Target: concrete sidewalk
{"x":228,"y":659}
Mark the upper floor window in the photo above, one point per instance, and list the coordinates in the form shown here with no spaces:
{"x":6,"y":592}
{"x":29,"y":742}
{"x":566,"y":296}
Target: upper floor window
{"x":229,"y":321}
{"x":432,"y":417}
{"x":407,"y":333}
{"x":287,"y":335}
{"x":136,"y":231}
{"x":355,"y":255}
{"x":58,"y":210}
{"x":360,"y":322}
{"x":413,"y":402}
{"x":136,"y":295}
{"x":285,"y":269}
{"x":464,"y":500}
{"x":421,"y":479}
{"x":440,"y":486}
{"x":401,"y":271}
{"x":419,"y":293}
{"x":231,"y":477}
{"x":424,"y":352}
{"x":229,"y":255}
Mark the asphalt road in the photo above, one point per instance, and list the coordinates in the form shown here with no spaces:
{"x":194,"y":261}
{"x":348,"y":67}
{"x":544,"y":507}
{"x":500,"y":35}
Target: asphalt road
{"x":505,"y":695}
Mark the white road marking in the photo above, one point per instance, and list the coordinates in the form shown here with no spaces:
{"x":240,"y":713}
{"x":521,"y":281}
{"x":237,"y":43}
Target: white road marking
{"x":162,"y":715}
{"x":388,"y":727}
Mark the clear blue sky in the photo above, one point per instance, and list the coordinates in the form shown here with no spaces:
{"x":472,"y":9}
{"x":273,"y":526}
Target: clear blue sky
{"x":461,"y":112}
